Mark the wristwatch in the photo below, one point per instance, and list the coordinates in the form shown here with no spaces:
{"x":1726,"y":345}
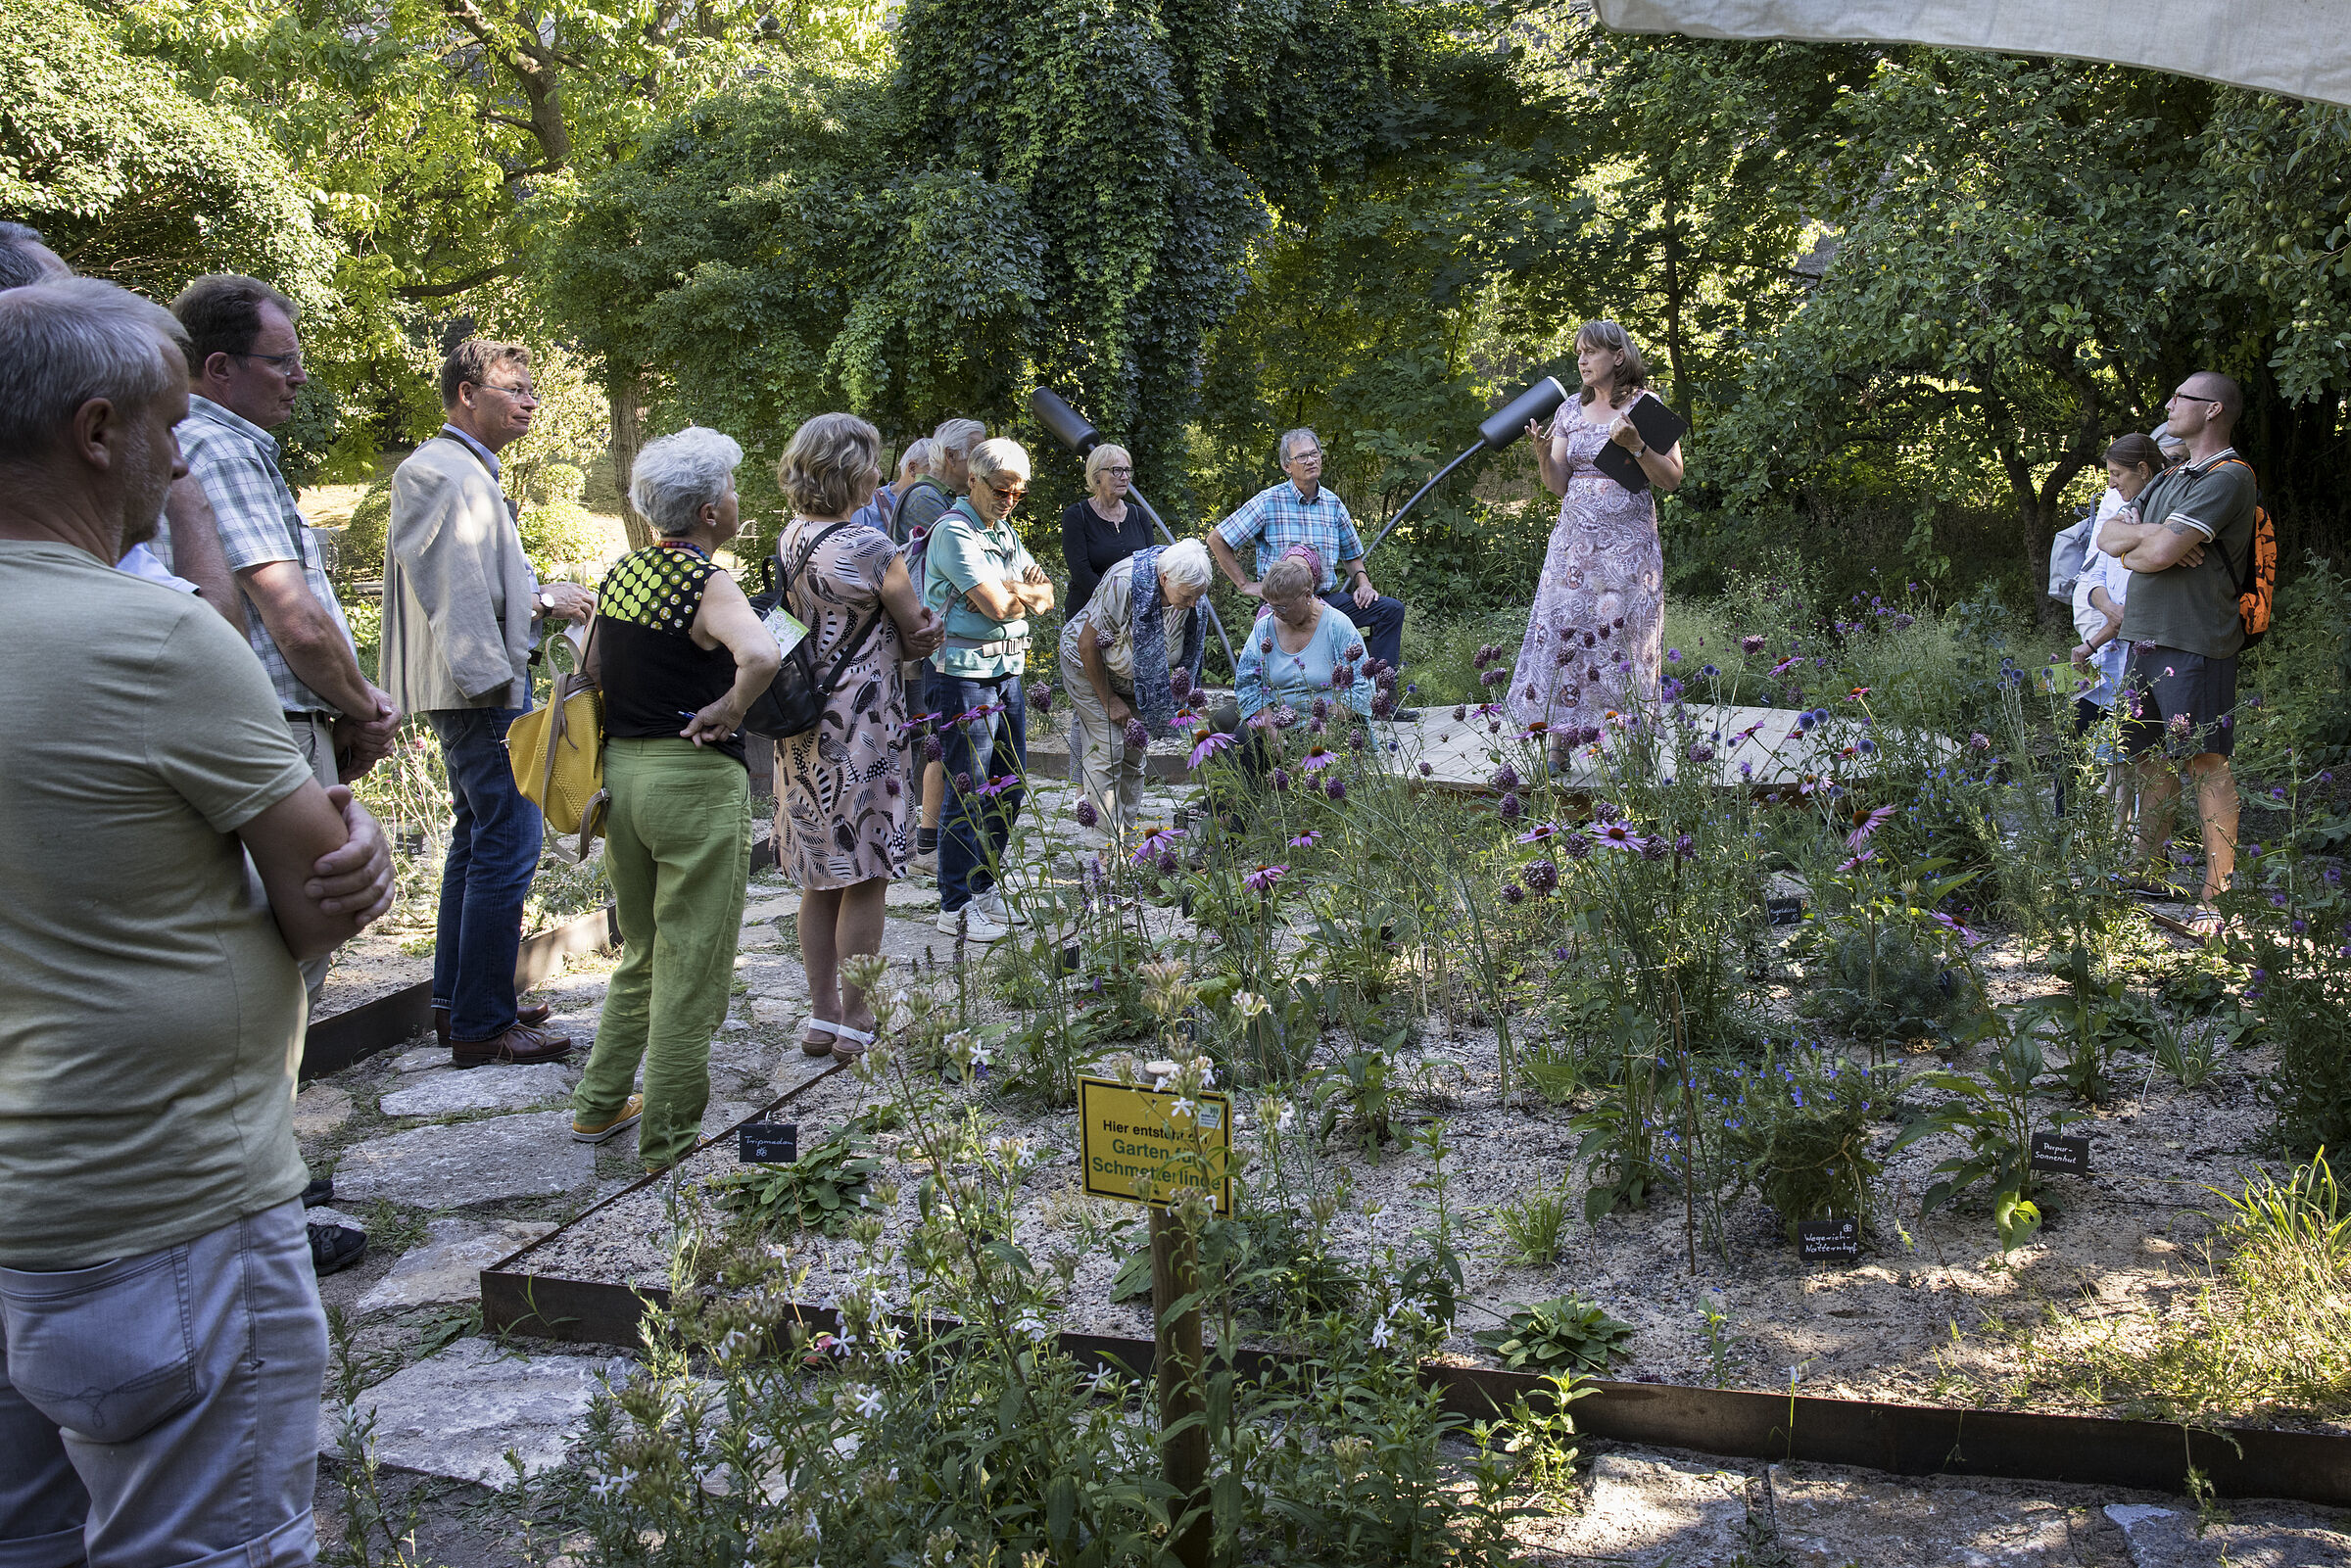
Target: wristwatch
{"x":545,"y":601}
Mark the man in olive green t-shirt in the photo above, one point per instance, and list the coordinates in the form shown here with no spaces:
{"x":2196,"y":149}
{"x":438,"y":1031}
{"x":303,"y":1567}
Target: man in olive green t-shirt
{"x":161,"y":1347}
{"x":2185,"y":542}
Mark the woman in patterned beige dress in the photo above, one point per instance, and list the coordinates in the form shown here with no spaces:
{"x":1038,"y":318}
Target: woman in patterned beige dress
{"x":844,"y":790}
{"x":1592,"y":642}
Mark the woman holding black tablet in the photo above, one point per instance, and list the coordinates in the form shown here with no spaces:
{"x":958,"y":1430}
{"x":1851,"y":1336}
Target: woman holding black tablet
{"x":1593,"y":648}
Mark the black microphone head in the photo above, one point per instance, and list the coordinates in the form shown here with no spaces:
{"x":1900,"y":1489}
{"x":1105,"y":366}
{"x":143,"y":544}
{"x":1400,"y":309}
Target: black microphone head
{"x":1067,"y":425}
{"x":1508,"y":423}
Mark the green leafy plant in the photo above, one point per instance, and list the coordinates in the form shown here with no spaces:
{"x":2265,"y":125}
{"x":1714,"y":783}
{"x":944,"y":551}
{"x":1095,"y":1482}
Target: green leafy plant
{"x":822,"y":1190}
{"x":1565,"y":1334}
{"x":1995,"y":1115}
{"x":1533,"y":1223}
{"x":1803,"y":1127}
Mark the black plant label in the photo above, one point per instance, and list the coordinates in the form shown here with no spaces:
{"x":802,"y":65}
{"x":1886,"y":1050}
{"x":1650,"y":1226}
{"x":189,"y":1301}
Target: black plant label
{"x":768,"y":1143}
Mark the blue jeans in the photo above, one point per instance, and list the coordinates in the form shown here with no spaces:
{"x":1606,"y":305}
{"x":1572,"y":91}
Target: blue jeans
{"x":973,"y":829}
{"x":1380,"y":623}
{"x":164,"y":1409}
{"x":493,"y":854}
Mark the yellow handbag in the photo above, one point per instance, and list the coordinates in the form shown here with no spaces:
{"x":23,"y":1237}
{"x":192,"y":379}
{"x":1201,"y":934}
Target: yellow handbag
{"x":557,"y":754}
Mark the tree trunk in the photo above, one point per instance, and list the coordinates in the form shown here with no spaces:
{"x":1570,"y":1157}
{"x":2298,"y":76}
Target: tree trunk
{"x":1673,"y":304}
{"x":626,"y":390}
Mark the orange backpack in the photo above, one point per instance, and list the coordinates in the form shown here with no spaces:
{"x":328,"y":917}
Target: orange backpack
{"x":2257,"y":586}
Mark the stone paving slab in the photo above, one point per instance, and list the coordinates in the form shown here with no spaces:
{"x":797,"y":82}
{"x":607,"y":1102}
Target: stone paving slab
{"x":2288,"y":1535}
{"x":451,"y":1092}
{"x":448,"y":1266}
{"x":529,"y":1155}
{"x":1831,"y":1517}
{"x":458,"y":1413}
{"x":1653,"y":1512}
{"x":320,"y":1109}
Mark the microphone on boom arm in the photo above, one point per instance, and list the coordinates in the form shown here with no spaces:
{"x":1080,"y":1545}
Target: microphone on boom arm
{"x":1498,"y":430}
{"x":1072,"y":430}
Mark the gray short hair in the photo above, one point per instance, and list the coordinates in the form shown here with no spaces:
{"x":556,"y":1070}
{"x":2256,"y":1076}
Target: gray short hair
{"x":1000,"y":456}
{"x":828,"y":455}
{"x":921,"y":456}
{"x":69,"y":341}
{"x":1289,"y":439}
{"x":676,"y":476}
{"x":1184,"y":565}
{"x":955,"y":436}
{"x":19,"y":266}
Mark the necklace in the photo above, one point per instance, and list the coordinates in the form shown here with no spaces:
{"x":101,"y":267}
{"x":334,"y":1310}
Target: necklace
{"x":682,"y":544}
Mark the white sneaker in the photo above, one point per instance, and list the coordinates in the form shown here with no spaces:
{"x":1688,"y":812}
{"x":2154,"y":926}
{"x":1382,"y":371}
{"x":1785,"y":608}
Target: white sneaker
{"x":1002,"y":913}
{"x":973,"y":923}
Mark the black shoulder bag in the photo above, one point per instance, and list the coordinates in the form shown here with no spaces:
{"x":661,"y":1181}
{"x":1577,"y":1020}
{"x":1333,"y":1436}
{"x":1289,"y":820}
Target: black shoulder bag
{"x":794,"y":701}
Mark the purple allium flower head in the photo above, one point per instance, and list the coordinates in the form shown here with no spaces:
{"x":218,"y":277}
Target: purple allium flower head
{"x":931,"y":750}
{"x":1685,"y":846}
{"x":889,"y":783}
{"x":1426,"y":771}
{"x":1281,"y":779}
{"x":1512,"y":894}
{"x":1750,"y":645}
{"x":963,"y":782}
{"x":1355,"y":651}
{"x":1505,"y":776}
{"x":1041,"y":697}
{"x":1087,"y":815}
{"x":1577,"y":845}
{"x":1136,"y":737}
{"x":1179,"y":683}
{"x":1355,"y":739}
{"x":1542,"y":875}
{"x":1509,"y":808}
{"x":1335,"y":787}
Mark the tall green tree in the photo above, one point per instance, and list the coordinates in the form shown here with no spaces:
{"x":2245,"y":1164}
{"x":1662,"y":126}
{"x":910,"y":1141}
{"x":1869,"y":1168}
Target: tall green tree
{"x":435,"y":131}
{"x":134,"y":178}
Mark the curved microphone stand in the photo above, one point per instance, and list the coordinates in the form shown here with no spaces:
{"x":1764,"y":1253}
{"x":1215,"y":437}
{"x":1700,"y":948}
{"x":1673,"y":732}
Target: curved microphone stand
{"x":1500,"y":428}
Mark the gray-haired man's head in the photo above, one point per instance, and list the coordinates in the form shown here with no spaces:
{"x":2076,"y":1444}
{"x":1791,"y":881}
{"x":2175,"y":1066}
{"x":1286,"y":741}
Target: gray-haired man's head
{"x":92,"y":380}
{"x":25,"y":258}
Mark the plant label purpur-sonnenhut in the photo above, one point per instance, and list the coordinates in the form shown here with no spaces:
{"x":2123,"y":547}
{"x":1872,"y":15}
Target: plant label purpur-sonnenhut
{"x":768,"y":1143}
{"x":1145,"y":1145}
{"x":1828,"y":1238}
{"x":2065,"y":1156}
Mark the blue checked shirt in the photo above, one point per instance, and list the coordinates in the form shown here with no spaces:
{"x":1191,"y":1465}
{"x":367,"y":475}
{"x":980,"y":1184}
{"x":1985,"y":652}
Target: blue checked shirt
{"x":1278,"y":517}
{"x":236,"y":462}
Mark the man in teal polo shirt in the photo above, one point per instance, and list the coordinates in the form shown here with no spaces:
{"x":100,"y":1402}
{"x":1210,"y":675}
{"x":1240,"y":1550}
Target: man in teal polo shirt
{"x":980,"y":579}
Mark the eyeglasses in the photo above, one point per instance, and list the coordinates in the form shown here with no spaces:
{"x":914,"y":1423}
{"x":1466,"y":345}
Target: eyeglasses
{"x":2192,"y":397}
{"x":1301,"y":457}
{"x":1010,"y":492}
{"x":285,"y":364}
{"x":1117,"y":473}
{"x":521,"y":392}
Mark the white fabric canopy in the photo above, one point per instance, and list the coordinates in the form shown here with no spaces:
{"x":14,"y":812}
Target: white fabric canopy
{"x":2296,"y":47}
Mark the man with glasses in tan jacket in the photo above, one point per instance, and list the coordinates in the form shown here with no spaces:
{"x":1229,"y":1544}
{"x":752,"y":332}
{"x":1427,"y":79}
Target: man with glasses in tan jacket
{"x":462,"y":612}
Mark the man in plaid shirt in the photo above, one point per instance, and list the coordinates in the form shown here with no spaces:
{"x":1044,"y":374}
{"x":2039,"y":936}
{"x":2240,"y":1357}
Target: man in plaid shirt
{"x":1300,"y":511}
{"x":244,"y":372}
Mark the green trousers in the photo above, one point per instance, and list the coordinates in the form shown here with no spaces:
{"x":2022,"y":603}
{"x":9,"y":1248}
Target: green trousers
{"x":678,"y":849}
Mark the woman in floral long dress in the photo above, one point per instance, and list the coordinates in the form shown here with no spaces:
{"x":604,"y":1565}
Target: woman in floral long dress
{"x":843,"y":790}
{"x":1592,"y":642}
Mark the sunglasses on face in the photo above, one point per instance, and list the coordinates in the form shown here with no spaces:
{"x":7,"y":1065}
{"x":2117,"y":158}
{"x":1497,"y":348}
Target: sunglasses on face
{"x":2190,"y":397}
{"x":1012,"y":489}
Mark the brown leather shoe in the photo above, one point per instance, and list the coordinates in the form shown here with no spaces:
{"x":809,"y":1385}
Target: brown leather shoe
{"x":518,"y":1045}
{"x":530,"y":1018}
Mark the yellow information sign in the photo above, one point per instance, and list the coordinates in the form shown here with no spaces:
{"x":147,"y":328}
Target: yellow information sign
{"x":1142,"y":1145}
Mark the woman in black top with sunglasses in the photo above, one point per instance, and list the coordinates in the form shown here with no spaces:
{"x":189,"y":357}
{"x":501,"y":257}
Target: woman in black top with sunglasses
{"x":1104,"y":529}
